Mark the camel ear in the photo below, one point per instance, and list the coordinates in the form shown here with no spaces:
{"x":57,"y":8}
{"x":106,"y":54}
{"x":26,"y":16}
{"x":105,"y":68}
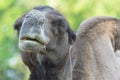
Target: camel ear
{"x":71,"y":36}
{"x":18,"y":23}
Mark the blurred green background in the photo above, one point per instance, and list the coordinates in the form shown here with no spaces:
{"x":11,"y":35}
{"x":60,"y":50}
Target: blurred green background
{"x":75,"y":11}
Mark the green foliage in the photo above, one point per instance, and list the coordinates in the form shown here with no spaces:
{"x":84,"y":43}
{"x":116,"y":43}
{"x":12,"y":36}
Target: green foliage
{"x":75,"y":11}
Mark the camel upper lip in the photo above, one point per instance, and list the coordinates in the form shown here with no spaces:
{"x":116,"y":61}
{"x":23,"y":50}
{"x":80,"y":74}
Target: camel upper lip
{"x":32,"y":39}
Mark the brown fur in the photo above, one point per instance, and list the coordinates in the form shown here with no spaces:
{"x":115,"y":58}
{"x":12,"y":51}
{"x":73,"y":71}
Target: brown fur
{"x":94,"y":49}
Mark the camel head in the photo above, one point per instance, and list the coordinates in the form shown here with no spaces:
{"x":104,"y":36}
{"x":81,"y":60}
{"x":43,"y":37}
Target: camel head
{"x":44,"y":35}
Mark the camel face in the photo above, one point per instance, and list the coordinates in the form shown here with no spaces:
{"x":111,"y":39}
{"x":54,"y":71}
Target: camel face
{"x":45,"y":32}
{"x":44,"y":40}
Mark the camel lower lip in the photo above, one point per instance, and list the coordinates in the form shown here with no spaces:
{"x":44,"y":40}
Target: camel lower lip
{"x":30,"y":46}
{"x":32,"y":40}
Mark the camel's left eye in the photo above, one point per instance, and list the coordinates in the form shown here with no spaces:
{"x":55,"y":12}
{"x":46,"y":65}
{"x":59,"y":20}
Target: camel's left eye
{"x":58,"y":31}
{"x":59,"y":27}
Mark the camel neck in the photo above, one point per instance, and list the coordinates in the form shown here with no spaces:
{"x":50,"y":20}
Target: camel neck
{"x":47,"y":70}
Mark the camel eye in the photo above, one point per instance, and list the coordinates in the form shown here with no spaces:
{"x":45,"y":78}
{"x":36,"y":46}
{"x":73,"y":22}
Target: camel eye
{"x":58,"y":31}
{"x":59,"y":27}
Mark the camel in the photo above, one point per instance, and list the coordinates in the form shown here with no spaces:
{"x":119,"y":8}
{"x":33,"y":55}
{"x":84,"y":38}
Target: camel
{"x":44,"y":41}
{"x":52,"y":51}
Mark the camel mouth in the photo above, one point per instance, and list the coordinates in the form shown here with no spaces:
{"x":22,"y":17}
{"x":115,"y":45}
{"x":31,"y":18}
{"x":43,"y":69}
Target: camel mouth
{"x":33,"y":40}
{"x":31,"y":45}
